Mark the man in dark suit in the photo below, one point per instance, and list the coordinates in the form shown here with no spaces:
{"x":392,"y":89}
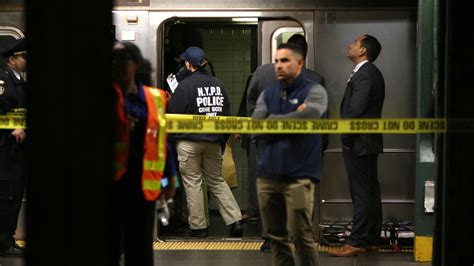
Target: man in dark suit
{"x":363,"y":98}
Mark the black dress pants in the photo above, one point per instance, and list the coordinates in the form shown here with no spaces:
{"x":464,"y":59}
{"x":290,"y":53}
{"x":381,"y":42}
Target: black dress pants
{"x":366,"y":200}
{"x":10,"y":203}
{"x":12,"y":186}
{"x":132,"y":224}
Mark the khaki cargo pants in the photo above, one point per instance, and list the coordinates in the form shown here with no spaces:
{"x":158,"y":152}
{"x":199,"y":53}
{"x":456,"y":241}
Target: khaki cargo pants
{"x":198,"y":161}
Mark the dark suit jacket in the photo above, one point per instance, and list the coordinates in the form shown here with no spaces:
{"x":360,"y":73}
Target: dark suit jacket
{"x":364,"y":98}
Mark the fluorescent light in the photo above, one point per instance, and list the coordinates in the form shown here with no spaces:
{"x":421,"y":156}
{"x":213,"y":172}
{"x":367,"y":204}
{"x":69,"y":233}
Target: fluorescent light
{"x":245,"y":19}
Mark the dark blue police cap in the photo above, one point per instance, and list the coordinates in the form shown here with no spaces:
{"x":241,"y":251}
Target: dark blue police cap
{"x":195,"y":56}
{"x":13,"y":47}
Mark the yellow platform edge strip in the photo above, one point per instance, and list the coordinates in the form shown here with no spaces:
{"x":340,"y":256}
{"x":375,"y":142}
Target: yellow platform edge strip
{"x":207,"y":245}
{"x":228,"y":245}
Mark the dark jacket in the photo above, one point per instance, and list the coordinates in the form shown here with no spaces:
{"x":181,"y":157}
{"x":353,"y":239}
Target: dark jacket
{"x":12,"y":96}
{"x":200,"y":94}
{"x":364,"y":98}
{"x":285,"y":157}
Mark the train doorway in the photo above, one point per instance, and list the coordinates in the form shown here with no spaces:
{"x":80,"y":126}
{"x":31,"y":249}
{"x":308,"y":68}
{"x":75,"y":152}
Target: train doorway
{"x":231,"y":48}
{"x":235,"y":47}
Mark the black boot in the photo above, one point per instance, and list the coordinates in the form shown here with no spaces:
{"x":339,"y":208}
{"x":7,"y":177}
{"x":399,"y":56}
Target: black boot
{"x":199,"y":232}
{"x":236,"y":229}
{"x":266,"y":246}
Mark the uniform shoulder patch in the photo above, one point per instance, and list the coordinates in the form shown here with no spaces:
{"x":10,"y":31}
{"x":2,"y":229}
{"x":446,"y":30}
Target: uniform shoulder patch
{"x":2,"y":88}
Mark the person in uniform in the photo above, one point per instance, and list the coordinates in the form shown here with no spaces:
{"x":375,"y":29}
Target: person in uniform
{"x":141,"y":160}
{"x":12,"y":159}
{"x":200,"y":155}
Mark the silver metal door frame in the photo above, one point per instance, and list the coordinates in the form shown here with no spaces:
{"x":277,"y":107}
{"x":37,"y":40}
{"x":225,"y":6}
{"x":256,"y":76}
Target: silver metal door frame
{"x":266,"y":30}
{"x":152,"y":47}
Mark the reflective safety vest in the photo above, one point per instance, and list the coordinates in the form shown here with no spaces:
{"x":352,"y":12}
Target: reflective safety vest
{"x":154,"y":158}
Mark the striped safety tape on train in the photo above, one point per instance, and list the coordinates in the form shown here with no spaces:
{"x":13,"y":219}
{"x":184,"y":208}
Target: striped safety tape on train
{"x":177,"y":123}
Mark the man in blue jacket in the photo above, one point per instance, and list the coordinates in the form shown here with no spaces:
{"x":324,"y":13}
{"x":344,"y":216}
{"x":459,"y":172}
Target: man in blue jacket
{"x":263,"y":77}
{"x":288,"y":166}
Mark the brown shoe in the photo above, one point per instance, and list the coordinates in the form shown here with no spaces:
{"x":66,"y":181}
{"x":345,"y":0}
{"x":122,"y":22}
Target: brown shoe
{"x":346,"y":251}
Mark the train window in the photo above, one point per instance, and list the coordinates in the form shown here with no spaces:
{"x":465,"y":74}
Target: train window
{"x":282,"y":35}
{"x":7,"y":33}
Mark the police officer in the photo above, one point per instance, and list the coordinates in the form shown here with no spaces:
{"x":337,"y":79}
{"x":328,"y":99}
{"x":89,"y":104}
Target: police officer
{"x":200,"y":155}
{"x":12,"y":161}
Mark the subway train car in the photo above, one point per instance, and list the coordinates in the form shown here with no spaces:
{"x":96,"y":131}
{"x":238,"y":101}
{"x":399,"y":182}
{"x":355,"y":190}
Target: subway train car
{"x":240,"y":35}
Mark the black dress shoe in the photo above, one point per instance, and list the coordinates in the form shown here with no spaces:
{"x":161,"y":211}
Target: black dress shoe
{"x":12,"y":252}
{"x":199,"y":232}
{"x":266,"y":246}
{"x":236,"y":229}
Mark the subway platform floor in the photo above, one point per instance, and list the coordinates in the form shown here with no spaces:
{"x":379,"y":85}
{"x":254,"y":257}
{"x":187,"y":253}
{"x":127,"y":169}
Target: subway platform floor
{"x":175,"y":247}
{"x":253,"y":257}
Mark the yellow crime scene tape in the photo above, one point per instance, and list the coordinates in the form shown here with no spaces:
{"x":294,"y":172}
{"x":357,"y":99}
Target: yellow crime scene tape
{"x":177,"y":123}
{"x":12,"y":121}
{"x":209,"y":124}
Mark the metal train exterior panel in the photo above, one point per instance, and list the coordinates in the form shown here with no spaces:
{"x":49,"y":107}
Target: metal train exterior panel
{"x":329,"y":26}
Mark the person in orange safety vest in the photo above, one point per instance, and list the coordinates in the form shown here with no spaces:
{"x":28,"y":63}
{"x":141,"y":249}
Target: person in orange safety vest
{"x":141,"y":164}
